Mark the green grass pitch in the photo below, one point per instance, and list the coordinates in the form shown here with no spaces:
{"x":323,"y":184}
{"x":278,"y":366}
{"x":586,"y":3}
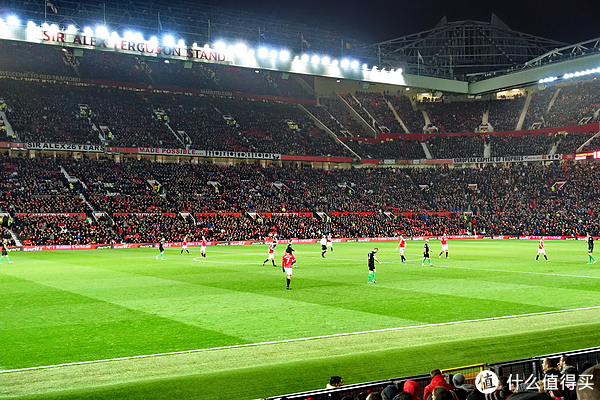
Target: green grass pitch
{"x":223,"y":327}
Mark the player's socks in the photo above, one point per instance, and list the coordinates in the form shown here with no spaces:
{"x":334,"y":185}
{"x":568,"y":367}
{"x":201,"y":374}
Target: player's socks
{"x":536,"y":257}
{"x":370,"y":275}
{"x":546,"y":257}
{"x":288,"y":283}
{"x":187,"y":251}
{"x":373,"y":277}
{"x":273,"y":261}
{"x":403,"y":258}
{"x":447,"y":255}
{"x":429,"y":259}
{"x":181,"y":252}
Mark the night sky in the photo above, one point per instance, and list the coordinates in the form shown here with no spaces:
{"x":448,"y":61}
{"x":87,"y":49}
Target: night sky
{"x":373,"y":21}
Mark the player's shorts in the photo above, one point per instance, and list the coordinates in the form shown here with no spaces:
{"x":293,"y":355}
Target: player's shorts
{"x":161,"y":249}
{"x":426,"y":255}
{"x":184,"y":247}
{"x":323,"y":247}
{"x":444,"y":247}
{"x":271,"y":256}
{"x":371,"y":267}
{"x":4,"y":253}
{"x":541,"y":251}
{"x":203,"y":249}
{"x":402,"y":250}
{"x":288,"y":271}
{"x":329,"y":244}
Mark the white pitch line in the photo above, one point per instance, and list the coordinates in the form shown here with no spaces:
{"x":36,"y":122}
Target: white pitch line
{"x":401,"y":328}
{"x":522,"y":272}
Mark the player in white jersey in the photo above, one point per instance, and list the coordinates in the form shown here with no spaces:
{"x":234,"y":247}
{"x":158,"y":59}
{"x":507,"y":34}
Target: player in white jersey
{"x":323,"y":246}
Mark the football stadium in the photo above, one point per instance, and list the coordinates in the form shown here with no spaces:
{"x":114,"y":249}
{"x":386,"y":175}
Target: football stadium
{"x":204,"y":203}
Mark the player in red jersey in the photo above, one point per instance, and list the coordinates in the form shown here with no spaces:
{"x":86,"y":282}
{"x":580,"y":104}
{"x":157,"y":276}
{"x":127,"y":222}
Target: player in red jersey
{"x":184,"y":246}
{"x":444,"y":240}
{"x":271,"y":255}
{"x":541,"y":250}
{"x":203,"y":247}
{"x":329,"y":243}
{"x":402,"y":247}
{"x":287,"y":263}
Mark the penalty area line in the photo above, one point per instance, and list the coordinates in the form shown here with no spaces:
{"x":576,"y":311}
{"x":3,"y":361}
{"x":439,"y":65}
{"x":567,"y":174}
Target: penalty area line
{"x":239,"y":346}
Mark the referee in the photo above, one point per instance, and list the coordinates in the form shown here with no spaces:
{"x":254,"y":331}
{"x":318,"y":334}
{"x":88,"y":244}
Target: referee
{"x":371,"y":258}
{"x":590,"y":242}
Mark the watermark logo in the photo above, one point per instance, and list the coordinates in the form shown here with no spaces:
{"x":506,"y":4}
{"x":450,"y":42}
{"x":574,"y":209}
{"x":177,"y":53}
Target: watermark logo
{"x":486,"y":382}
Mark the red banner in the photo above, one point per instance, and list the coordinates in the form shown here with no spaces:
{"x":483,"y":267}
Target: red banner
{"x":144,"y":214}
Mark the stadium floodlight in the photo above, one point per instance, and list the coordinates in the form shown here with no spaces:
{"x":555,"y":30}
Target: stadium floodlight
{"x":315,"y":59}
{"x":153,"y":41}
{"x":273,"y":54}
{"x":365,"y":66}
{"x":101,"y":32}
{"x":54,"y":28}
{"x":45,"y":26}
{"x":12,"y":20}
{"x":240,"y":49}
{"x":263,"y":52}
{"x":334,"y":63}
{"x":354,"y":64}
{"x":71,"y":29}
{"x":88,"y":31}
{"x":138,"y":37}
{"x":325,"y":60}
{"x":128,"y":35}
{"x":30,"y":24}
{"x":250,"y":53}
{"x":399,"y":70}
{"x":181,"y":43}
{"x":206,"y":46}
{"x":220,"y":46}
{"x":194,"y":45}
{"x":168,"y":40}
{"x":566,"y":76}
{"x":407,"y":88}
{"x":284,"y":55}
{"x":345,"y":63}
{"x":304,"y":58}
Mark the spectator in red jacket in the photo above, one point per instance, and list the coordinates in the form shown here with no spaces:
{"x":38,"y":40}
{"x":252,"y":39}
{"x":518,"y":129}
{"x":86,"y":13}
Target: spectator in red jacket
{"x":437,"y":379}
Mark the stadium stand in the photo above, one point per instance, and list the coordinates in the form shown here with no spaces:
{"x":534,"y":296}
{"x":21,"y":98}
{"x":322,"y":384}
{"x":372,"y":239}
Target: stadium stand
{"x":143,"y":200}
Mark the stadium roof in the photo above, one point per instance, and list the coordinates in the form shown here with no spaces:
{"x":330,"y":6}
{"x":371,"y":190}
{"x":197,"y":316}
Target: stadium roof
{"x":464,"y":48}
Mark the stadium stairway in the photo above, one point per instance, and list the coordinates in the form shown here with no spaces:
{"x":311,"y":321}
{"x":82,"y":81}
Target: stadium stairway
{"x":580,"y":148}
{"x":326,"y":129}
{"x":304,"y":85}
{"x":426,"y":150}
{"x":9,"y":130}
{"x":356,"y":116}
{"x":553,"y":100}
{"x":524,"y":112}
{"x":397,"y":116}
{"x":487,"y":148}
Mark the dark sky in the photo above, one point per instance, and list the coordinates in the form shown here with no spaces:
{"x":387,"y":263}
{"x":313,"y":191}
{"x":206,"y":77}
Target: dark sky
{"x":372,"y":21}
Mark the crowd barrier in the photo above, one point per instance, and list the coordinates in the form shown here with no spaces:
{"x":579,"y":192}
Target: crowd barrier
{"x":262,"y":242}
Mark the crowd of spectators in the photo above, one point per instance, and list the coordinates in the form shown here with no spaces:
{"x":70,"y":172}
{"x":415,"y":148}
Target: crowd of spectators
{"x":61,"y":230}
{"x":556,"y":199}
{"x":568,"y":143}
{"x":528,"y":144}
{"x":456,"y":117}
{"x":412,"y":118}
{"x":341,"y":121}
{"x":576,"y":103}
{"x":455,"y":146}
{"x":35,"y":186}
{"x":44,"y":112}
{"x":397,"y":148}
{"x":504,"y":114}
{"x":376,"y":104}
